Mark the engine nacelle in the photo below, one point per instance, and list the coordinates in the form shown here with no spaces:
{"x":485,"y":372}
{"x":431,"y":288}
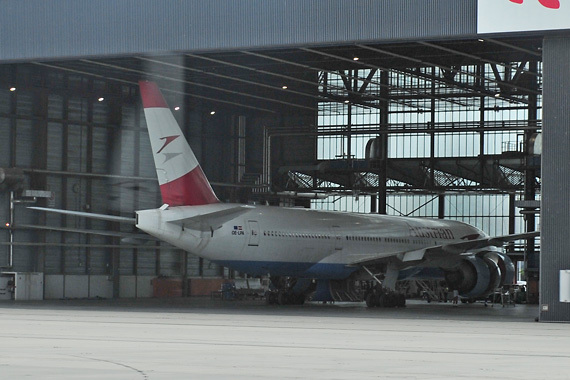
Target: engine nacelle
{"x":479,"y":276}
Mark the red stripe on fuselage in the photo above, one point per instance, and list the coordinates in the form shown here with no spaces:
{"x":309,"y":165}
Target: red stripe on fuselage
{"x":151,"y":95}
{"x":192,"y":189}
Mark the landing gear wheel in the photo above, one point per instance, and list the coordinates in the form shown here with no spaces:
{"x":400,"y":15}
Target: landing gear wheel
{"x":283,"y":298}
{"x":371,"y":300}
{"x":400,"y":300}
{"x":381,"y":300}
{"x":270,"y":298}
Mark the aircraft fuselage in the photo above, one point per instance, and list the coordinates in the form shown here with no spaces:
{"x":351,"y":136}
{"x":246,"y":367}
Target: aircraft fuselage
{"x":299,"y":242}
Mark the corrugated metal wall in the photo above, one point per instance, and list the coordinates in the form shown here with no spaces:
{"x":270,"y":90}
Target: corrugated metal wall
{"x":555,"y":252}
{"x":71,"y":28}
{"x":85,"y":138}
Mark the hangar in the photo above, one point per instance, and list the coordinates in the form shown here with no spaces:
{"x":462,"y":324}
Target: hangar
{"x":423,"y":108}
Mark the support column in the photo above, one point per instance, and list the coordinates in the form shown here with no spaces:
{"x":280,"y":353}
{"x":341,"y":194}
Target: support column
{"x":39,"y":181}
{"x":532,"y":257}
{"x":114,"y":139}
{"x":383,"y":163}
{"x":441,"y":206}
{"x":555,"y":177}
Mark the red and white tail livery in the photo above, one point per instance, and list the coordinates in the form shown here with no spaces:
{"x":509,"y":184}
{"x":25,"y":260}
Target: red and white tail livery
{"x":181,"y":179}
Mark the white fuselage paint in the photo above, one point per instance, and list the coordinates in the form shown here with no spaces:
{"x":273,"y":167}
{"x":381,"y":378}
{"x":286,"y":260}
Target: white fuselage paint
{"x":273,"y":239}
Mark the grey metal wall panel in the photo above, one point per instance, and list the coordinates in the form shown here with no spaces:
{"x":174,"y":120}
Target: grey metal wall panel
{"x":555,"y":255}
{"x":99,"y":257}
{"x":4,"y":235}
{"x":74,"y":258}
{"x":24,"y":255}
{"x":55,"y":106}
{"x":5,"y":142}
{"x":193,"y":265}
{"x":100,"y":155}
{"x":54,"y":146}
{"x":146,"y":161}
{"x":24,"y":141}
{"x":73,"y":28}
{"x":146,"y":262}
{"x":126,"y":262}
{"x":76,"y":144}
{"x":52,"y":256}
{"x":5,"y":99}
{"x":170,"y":262}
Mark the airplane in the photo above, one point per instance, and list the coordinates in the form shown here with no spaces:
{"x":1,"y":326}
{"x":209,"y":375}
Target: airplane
{"x":324,"y":255}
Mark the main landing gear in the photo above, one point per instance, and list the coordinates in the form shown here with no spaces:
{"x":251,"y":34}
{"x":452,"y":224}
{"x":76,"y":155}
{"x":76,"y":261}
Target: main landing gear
{"x":288,"y":291}
{"x":382,"y":294}
{"x":283,"y":297}
{"x":379,"y":297}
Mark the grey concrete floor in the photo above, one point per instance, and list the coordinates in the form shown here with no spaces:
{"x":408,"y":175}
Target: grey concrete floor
{"x":204,"y":339}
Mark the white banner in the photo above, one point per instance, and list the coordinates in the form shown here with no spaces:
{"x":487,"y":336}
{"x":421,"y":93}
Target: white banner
{"x":496,"y":16}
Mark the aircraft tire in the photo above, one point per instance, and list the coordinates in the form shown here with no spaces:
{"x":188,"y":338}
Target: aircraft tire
{"x":390,"y":300}
{"x":401,"y":300}
{"x":270,"y":298}
{"x":371,"y":300}
{"x":283,"y":298}
{"x":381,"y":300}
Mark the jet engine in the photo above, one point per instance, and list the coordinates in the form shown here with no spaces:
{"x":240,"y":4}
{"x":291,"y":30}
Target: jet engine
{"x":479,"y":276}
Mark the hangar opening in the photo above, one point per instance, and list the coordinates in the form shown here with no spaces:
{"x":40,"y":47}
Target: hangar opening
{"x":436,"y":127}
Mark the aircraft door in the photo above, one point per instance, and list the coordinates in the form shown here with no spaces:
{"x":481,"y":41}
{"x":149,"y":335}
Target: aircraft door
{"x":253,"y":233}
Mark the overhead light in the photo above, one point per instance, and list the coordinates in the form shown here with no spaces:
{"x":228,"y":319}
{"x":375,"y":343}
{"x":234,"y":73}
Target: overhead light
{"x":497,"y":94}
{"x":212,"y":112}
{"x":176,"y":108}
{"x":101,"y":99}
{"x":284,"y":87}
{"x":347,"y":101}
{"x":481,"y":40}
{"x":12,"y":89}
{"x":355,"y":59}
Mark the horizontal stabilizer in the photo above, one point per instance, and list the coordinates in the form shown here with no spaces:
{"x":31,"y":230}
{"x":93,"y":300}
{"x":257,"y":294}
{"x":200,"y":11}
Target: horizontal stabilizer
{"x":110,"y":218}
{"x":212,"y":221}
{"x":127,"y":237}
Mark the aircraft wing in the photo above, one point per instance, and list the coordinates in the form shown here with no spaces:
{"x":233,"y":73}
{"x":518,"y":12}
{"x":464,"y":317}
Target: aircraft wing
{"x":457,"y":249}
{"x":110,"y":218}
{"x":213,"y":220}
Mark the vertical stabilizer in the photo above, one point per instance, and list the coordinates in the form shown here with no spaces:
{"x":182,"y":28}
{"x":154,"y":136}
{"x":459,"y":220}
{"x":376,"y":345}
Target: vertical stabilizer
{"x":181,"y":179}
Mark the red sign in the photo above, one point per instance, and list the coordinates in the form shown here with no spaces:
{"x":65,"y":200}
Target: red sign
{"x":552,"y":4}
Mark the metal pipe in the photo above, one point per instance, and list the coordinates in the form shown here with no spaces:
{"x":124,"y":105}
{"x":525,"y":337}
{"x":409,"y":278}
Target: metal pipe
{"x":115,"y":176}
{"x":11,"y":232}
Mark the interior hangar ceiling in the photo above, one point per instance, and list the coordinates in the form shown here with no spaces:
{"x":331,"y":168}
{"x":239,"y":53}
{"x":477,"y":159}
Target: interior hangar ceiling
{"x":254,"y":80}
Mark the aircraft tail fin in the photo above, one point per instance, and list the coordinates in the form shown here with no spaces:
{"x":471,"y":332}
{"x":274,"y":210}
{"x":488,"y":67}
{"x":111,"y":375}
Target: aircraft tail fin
{"x":181,"y":179}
